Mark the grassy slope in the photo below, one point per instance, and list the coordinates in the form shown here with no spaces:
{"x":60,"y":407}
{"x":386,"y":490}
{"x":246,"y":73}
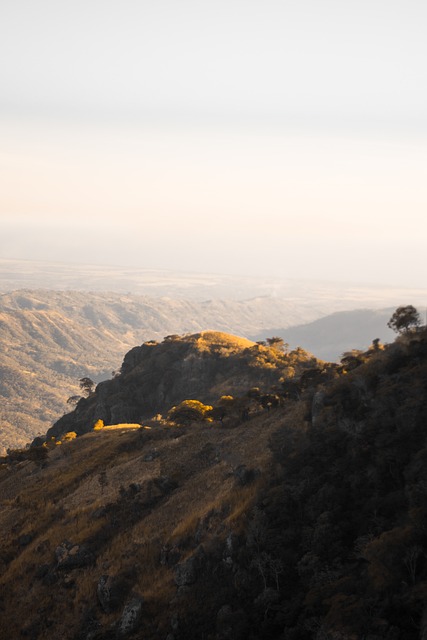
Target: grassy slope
{"x":50,"y":339}
{"x":58,"y":503}
{"x":328,"y":536}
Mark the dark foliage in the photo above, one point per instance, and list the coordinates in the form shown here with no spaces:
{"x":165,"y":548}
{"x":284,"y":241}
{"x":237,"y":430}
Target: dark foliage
{"x":342,"y":537}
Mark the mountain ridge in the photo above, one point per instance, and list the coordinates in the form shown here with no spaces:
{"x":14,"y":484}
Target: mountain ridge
{"x":204,"y":366}
{"x":60,"y":337}
{"x":332,"y":335}
{"x":305,"y":520}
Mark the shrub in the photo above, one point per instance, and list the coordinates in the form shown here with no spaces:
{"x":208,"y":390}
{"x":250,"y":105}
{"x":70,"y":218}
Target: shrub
{"x":189,"y":411}
{"x":69,"y":436}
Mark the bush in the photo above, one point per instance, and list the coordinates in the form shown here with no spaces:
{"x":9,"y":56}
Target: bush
{"x":71,"y":435}
{"x":189,"y":411}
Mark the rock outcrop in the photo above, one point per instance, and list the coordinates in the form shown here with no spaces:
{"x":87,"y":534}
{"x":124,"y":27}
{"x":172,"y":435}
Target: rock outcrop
{"x":156,"y":376}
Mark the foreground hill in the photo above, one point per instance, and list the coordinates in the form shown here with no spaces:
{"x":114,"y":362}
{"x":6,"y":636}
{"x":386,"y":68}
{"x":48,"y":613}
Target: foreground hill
{"x":51,"y":339}
{"x":303,"y":522}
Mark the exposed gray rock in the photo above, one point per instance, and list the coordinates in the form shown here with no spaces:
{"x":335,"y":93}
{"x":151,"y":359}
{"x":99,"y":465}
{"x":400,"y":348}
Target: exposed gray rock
{"x":175,"y":623}
{"x":185,"y":572}
{"x":131,"y":616}
{"x":104,"y":592}
{"x":231,"y":544}
{"x":72,"y":556}
{"x":169,"y":556}
{"x":244,"y":475}
{"x":316,"y":407}
{"x":151,"y":455}
{"x":182,"y":591}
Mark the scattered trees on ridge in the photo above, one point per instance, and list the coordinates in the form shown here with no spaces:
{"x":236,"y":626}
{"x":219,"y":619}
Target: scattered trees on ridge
{"x":404,"y":319}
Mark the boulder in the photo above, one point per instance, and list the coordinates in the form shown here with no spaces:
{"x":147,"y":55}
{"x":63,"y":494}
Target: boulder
{"x":131,"y":616}
{"x":108,"y":594}
{"x":244,"y":475}
{"x":73,"y":556}
{"x":185,"y":572}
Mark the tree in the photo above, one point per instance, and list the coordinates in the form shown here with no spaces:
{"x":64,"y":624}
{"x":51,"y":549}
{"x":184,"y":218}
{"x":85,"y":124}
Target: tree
{"x":352,"y":359}
{"x":87,"y":385}
{"x":189,"y":411}
{"x":277,"y":343}
{"x":404,"y":319}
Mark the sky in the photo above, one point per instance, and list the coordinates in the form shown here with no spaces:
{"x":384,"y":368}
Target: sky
{"x":272,"y":138}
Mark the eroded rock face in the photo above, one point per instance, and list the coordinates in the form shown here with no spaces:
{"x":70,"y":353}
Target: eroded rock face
{"x":185,"y":572}
{"x":104,"y":592}
{"x":155,"y":377}
{"x":73,"y":556}
{"x":317,"y":407}
{"x":131,"y":616}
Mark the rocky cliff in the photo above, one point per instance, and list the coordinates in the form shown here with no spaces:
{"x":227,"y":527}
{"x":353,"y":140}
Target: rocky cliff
{"x":304,"y":522}
{"x":203,"y":366}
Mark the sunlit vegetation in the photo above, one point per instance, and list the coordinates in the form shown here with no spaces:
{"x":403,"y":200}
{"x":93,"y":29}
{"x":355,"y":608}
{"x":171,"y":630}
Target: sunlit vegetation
{"x":189,"y":411}
{"x":51,"y":339}
{"x":290,"y":507}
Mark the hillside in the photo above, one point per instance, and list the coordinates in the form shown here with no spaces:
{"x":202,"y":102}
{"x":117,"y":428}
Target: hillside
{"x":205,"y":366}
{"x":302,"y":522}
{"x":329,"y":337}
{"x":50,"y":339}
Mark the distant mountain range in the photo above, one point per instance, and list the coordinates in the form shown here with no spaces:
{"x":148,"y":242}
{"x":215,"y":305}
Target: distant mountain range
{"x":52,"y":336}
{"x":50,"y":339}
{"x":329,"y":337}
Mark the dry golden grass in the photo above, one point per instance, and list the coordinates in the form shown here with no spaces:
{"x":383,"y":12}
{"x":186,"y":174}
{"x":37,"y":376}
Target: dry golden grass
{"x":209,"y":339}
{"x":112,"y":427}
{"x":58,"y":503}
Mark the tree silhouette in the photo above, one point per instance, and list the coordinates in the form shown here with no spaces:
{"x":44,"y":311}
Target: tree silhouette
{"x":277,"y":343}
{"x":404,"y":319}
{"x":87,"y":385}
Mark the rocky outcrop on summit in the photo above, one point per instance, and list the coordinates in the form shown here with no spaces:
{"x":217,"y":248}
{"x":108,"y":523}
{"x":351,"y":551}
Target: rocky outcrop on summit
{"x":155,"y":376}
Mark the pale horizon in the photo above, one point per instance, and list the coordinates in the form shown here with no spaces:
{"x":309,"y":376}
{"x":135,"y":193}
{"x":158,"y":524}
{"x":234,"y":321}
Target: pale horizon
{"x":274,"y":141}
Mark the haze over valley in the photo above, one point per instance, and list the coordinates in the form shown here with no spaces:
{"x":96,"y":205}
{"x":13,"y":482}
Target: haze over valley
{"x":50,"y":338}
{"x":213,"y":320}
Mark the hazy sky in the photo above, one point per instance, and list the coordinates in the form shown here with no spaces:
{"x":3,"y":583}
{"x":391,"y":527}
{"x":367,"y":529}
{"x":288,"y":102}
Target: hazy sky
{"x":272,"y":138}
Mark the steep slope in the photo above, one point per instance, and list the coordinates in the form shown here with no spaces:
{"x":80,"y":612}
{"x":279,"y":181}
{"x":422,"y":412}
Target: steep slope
{"x":50,"y":339}
{"x":305,"y":522}
{"x":130,"y":504}
{"x":203,"y":366}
